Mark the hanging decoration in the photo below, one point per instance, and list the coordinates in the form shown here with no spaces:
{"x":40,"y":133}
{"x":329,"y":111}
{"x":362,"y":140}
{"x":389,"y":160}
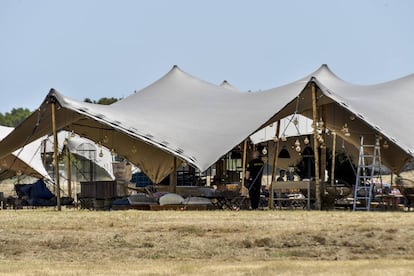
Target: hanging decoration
{"x":297,"y":146}
{"x":284,"y":153}
{"x":345,"y":130}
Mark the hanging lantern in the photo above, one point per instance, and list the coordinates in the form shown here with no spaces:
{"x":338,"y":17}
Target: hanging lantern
{"x":264,"y":151}
{"x":320,"y":125}
{"x":306,"y":140}
{"x":298,"y":149}
{"x":101,"y":153}
{"x":296,"y":121}
{"x":297,"y":143}
{"x":345,"y":130}
{"x":284,"y":153}
{"x":105,"y":139}
{"x":385,"y":145}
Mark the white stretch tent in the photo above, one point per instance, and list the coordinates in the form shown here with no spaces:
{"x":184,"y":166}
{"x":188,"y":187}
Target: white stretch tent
{"x":287,"y":128}
{"x":77,"y":146}
{"x":27,"y":160}
{"x":182,"y":116}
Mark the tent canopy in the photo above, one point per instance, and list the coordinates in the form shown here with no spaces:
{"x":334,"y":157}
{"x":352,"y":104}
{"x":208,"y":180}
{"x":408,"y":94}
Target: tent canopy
{"x":184,"y":117}
{"x":27,"y":160}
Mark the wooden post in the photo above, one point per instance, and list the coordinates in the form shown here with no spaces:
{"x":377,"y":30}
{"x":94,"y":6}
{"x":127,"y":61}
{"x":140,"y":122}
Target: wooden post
{"x":243,"y":189}
{"x":44,"y":153}
{"x":173,"y":178}
{"x":56,"y":156}
{"x":333,"y":158}
{"x":274,"y":166}
{"x":323,"y":155}
{"x":69,"y":169}
{"x":315,"y":147}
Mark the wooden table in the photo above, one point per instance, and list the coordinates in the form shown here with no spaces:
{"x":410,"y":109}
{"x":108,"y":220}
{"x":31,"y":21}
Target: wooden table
{"x":389,"y":201}
{"x":281,"y":186}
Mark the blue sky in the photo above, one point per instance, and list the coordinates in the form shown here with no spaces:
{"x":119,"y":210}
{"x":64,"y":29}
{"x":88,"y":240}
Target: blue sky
{"x":102,"y":48}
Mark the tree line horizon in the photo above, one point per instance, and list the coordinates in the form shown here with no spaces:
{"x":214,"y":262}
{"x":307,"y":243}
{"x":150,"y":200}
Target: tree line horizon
{"x":17,"y":115}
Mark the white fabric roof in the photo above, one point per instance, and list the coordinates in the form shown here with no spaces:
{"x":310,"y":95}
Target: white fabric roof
{"x":27,"y":160}
{"x":76,"y":145}
{"x":180,"y":115}
{"x":287,"y":128}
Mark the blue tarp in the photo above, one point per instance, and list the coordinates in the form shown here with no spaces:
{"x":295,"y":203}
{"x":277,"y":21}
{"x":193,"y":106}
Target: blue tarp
{"x":36,"y":194}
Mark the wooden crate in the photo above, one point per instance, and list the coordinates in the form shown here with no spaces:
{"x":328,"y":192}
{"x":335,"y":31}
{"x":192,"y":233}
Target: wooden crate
{"x":99,"y":189}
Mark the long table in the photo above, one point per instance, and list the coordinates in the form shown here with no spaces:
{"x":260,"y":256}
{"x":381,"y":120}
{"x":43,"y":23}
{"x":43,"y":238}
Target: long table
{"x":281,"y":186}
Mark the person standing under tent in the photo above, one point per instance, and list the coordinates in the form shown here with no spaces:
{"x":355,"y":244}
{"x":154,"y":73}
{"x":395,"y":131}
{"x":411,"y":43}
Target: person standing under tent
{"x":281,"y":176}
{"x":254,"y":171}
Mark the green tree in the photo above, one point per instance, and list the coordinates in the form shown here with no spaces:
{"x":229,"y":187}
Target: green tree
{"x":107,"y":101}
{"x":104,"y":100}
{"x":14,"y":117}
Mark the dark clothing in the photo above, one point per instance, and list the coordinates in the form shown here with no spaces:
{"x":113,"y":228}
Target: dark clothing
{"x":255,"y":167}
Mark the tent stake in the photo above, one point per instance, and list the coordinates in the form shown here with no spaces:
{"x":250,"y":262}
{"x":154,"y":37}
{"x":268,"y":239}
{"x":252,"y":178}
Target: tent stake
{"x":56,"y":156}
{"x":274,"y":166}
{"x":316,"y":146}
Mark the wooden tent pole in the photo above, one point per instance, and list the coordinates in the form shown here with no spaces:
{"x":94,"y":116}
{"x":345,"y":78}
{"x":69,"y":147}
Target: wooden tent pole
{"x":323,"y":153}
{"x":275,"y":153}
{"x":315,"y":147}
{"x":333,"y":158}
{"x":56,"y":156}
{"x":173,"y":177}
{"x":274,"y":166}
{"x":243,"y":180}
{"x":69,"y":169}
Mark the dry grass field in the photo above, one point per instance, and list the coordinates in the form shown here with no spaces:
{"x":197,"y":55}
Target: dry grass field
{"x":46,"y":242}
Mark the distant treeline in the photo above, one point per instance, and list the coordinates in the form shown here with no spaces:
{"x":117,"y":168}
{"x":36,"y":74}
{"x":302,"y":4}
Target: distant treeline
{"x":14,"y":117}
{"x":17,"y":115}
